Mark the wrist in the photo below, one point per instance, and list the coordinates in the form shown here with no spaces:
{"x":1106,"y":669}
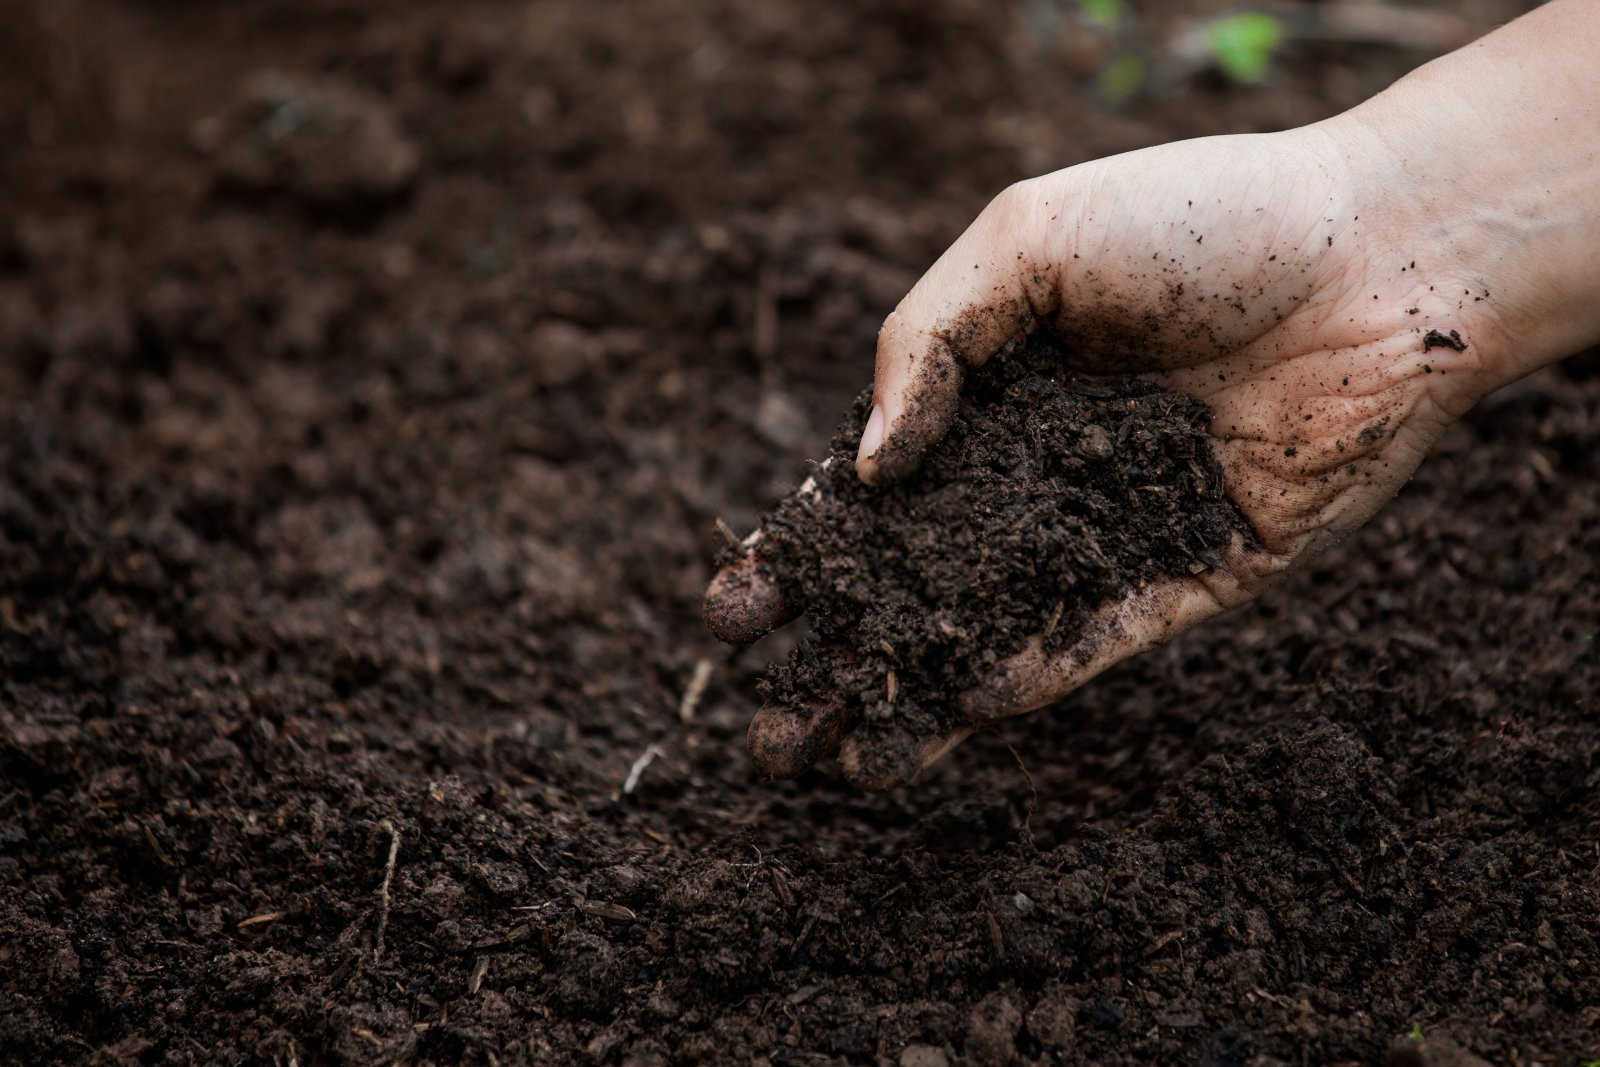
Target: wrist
{"x":1484,"y":169}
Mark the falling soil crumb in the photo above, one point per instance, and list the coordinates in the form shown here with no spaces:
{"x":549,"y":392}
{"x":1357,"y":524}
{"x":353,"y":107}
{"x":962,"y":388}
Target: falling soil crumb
{"x":1051,"y":494}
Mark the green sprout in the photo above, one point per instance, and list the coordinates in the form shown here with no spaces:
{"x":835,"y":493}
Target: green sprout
{"x":1106,"y":13}
{"x":1242,"y":44}
{"x":1416,"y":1032}
{"x":1121,"y":77}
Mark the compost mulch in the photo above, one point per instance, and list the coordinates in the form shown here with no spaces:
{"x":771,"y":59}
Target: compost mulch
{"x":356,"y":507}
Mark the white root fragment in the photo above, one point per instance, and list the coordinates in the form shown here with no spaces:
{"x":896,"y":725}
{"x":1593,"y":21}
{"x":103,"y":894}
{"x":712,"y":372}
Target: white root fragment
{"x":637,"y":770}
{"x":383,"y":892}
{"x":696,"y":690}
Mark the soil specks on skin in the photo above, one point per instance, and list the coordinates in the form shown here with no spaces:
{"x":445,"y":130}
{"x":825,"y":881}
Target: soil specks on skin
{"x":1051,"y":495}
{"x":1373,"y":432}
{"x":1435,"y":339}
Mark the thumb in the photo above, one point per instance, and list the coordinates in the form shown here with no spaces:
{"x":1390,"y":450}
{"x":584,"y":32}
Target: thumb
{"x":987,"y":288}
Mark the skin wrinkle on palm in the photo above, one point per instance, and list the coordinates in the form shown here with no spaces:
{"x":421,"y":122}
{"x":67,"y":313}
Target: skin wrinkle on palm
{"x":1311,"y":351}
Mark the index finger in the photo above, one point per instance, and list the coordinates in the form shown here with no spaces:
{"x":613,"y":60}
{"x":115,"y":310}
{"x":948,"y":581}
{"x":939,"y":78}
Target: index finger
{"x":980,"y":294}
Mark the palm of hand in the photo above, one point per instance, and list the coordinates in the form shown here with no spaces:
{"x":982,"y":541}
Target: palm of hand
{"x":1262,"y":292}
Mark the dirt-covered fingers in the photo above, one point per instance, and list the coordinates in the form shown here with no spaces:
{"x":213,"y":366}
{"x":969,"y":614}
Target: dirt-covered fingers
{"x":884,"y":757}
{"x":1140,"y":621}
{"x":785,"y":742}
{"x":745,"y":601}
{"x":982,"y":292}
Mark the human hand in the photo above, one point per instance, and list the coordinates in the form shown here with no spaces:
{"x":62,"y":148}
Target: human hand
{"x":1285,"y":279}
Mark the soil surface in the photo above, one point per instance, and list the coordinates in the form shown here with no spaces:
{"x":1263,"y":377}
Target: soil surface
{"x":1051,"y":495}
{"x":355,"y":515}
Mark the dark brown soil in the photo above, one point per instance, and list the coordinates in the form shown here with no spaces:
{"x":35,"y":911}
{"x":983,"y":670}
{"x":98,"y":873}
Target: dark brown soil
{"x":1051,"y":495}
{"x":326,"y":532}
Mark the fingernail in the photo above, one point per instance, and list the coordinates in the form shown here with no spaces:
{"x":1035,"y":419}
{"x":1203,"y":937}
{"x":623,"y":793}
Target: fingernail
{"x":872,"y":436}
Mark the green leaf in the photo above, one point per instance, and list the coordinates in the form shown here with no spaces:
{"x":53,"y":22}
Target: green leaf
{"x":1121,"y":78}
{"x":1105,"y":13}
{"x":1243,"y":44}
{"x":1416,"y":1032}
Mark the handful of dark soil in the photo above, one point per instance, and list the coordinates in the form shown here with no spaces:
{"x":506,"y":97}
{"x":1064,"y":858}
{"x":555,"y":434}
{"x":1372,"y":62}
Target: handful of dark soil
{"x":1052,"y":494}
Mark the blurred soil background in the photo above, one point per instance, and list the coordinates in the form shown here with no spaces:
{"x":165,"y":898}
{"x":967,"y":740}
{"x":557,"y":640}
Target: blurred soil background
{"x":371,"y":378}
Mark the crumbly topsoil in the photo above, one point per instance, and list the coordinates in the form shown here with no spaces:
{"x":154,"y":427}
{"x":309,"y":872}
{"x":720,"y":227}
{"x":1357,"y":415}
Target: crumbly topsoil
{"x":1052,"y":494}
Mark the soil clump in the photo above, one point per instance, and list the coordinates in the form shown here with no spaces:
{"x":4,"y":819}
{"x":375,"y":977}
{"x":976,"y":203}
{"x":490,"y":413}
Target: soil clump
{"x":1052,"y":494}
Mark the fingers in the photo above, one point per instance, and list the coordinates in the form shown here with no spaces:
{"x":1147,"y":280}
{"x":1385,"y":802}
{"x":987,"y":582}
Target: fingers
{"x":786,"y":742}
{"x":885,"y":758}
{"x":977,"y":296}
{"x":744,"y":601}
{"x":1139,"y":622}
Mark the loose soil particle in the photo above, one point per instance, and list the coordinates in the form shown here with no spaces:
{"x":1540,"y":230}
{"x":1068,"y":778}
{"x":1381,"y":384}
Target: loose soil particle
{"x":1051,"y":495}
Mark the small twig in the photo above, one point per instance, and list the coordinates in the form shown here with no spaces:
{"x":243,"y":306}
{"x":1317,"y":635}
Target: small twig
{"x":155,"y":846}
{"x":891,"y":686}
{"x":697,"y":689}
{"x":383,"y":892}
{"x":264,"y":917}
{"x":1055,"y":617}
{"x":727,"y":532}
{"x":1162,"y":942}
{"x":606,"y":910}
{"x":1033,"y":798}
{"x":637,"y":770}
{"x":780,"y":886}
{"x":811,"y":922}
{"x":479,"y":969}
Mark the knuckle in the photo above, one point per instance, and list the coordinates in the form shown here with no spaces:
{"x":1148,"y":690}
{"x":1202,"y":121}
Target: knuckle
{"x":1012,"y":205}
